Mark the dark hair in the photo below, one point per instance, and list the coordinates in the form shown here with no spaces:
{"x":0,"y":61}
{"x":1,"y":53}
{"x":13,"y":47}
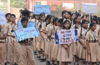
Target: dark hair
{"x":20,"y":10}
{"x":98,"y":19}
{"x":13,"y":15}
{"x":48,"y":16}
{"x":88,"y":16}
{"x":65,"y":23}
{"x":69,"y":13}
{"x":94,"y":16}
{"x":24,"y":19}
{"x":77,"y":14}
{"x":63,"y":12}
{"x":25,"y":12}
{"x":54,"y":20}
{"x":42,"y":14}
{"x":41,"y":21}
{"x":91,"y":24}
{"x":72,"y":14}
{"x":75,"y":21}
{"x":60,"y":20}
{"x":7,"y":14}
{"x":95,"y":19}
{"x":81,"y":26}
{"x":83,"y":16}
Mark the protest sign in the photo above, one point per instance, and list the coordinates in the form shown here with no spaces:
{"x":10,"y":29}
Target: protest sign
{"x":30,"y":24}
{"x":89,"y":8}
{"x":38,"y":9}
{"x":2,"y":18}
{"x":25,"y":33}
{"x":66,"y":36}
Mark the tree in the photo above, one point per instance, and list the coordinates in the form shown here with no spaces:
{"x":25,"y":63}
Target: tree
{"x":17,"y":3}
{"x":59,"y":8}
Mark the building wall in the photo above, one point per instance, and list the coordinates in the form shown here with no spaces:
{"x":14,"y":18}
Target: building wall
{"x":59,"y":2}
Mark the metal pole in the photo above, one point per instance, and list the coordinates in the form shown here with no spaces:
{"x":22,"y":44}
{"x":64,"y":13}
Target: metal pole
{"x":8,"y":6}
{"x":89,"y":17}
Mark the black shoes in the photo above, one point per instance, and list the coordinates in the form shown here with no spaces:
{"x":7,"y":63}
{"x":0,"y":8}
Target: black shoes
{"x":48,"y":63}
{"x":5,"y":63}
{"x":16,"y":63}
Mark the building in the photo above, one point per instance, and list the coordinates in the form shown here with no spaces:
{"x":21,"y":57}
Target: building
{"x":71,"y":4}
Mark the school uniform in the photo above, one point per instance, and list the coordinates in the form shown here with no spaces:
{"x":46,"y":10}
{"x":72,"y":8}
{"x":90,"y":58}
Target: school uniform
{"x":74,"y":45}
{"x":40,"y":41}
{"x":93,"y":44}
{"x":81,"y":50}
{"x":52,"y":39}
{"x":55,"y":48}
{"x":7,"y":42}
{"x":47,"y":45}
{"x":2,"y":45}
{"x":64,"y":55}
{"x":34,"y":43}
{"x":13,"y":44}
{"x":98,"y":30}
{"x":26,"y":53}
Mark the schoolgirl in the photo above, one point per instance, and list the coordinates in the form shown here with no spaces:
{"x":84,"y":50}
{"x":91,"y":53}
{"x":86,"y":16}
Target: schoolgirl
{"x":64,"y":51}
{"x":72,"y":18}
{"x":68,"y":16}
{"x":56,"y":47}
{"x":82,"y":42}
{"x":92,"y":54}
{"x":42,"y":29}
{"x":64,"y":13}
{"x":76,"y":26}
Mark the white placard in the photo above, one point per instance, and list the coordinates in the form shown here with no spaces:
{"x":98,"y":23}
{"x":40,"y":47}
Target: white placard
{"x":68,"y":5}
{"x":90,"y":8}
{"x":67,"y":36}
{"x":2,"y":18}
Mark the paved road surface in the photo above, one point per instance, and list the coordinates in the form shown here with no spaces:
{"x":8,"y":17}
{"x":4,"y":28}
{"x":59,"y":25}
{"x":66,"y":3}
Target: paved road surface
{"x":37,"y":62}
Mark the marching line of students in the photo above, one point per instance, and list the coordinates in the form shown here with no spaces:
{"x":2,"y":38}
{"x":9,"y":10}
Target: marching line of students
{"x":85,"y":51}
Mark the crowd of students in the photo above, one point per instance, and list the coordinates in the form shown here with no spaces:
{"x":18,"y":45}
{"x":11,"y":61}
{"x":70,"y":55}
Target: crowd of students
{"x":85,"y":51}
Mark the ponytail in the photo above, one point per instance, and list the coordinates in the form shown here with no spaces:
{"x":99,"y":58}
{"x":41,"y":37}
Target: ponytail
{"x":81,"y":31}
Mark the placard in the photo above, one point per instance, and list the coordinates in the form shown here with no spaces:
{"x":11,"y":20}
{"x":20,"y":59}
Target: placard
{"x":68,"y":5}
{"x":2,"y":18}
{"x":38,"y":9}
{"x":90,"y":8}
{"x":25,"y":33}
{"x":66,"y":36}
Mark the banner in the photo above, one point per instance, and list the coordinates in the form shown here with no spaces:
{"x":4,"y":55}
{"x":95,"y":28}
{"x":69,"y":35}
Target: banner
{"x":38,"y":9}
{"x":68,"y":5}
{"x":66,"y":36}
{"x":89,"y":8}
{"x":30,"y":24}
{"x":25,"y":33}
{"x":2,"y":18}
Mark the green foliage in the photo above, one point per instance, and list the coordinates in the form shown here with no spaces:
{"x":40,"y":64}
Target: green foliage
{"x":99,"y":12}
{"x":75,"y":8}
{"x":59,"y":8}
{"x":17,"y":3}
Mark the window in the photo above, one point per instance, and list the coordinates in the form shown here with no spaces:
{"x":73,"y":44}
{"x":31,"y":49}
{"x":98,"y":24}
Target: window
{"x":37,"y":3}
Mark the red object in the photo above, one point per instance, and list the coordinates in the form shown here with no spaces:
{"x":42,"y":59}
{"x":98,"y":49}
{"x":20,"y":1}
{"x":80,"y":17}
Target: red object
{"x":27,"y":4}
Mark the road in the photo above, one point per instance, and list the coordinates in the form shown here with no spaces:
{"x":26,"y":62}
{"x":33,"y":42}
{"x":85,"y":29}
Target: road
{"x":37,"y":62}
